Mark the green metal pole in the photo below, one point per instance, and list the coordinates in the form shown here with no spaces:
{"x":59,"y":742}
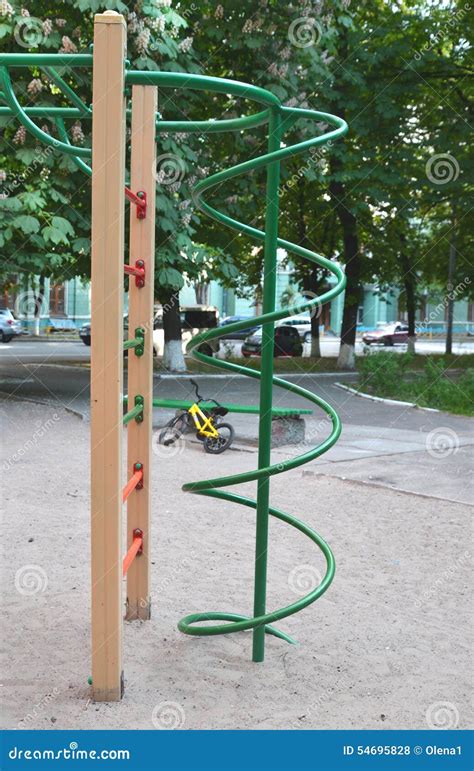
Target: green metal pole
{"x":266,"y":385}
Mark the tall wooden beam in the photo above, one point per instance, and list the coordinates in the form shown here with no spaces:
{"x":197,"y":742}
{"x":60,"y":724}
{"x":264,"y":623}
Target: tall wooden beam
{"x":108,"y":180}
{"x":140,"y":315}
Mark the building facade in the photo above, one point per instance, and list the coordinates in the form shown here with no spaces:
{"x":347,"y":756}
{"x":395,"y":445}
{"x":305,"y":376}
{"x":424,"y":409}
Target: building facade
{"x":66,"y":305}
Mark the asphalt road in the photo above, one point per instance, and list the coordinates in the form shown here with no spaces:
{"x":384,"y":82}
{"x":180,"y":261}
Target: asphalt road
{"x":27,"y":350}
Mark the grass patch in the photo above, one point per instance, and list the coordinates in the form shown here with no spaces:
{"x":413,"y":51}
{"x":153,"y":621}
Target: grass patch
{"x":435,"y":385}
{"x":281,"y":366}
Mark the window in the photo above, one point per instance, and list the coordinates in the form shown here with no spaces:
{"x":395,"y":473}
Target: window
{"x":57,"y":306}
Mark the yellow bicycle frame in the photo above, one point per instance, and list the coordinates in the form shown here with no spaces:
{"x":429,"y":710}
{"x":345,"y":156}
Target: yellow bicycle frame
{"x":206,"y":427}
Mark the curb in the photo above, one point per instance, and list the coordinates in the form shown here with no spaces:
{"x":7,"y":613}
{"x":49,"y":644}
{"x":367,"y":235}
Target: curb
{"x":393,"y":402}
{"x":202,"y":376}
{"x":71,"y":410}
{"x":44,"y":339}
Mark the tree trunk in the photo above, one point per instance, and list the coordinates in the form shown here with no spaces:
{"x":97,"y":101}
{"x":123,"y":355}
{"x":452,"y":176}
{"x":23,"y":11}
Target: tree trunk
{"x":311,"y":288}
{"x":451,"y":272}
{"x":202,"y":293}
{"x":173,"y":357}
{"x":311,"y":283}
{"x":409,"y":282}
{"x":38,"y":298}
{"x":346,"y":358}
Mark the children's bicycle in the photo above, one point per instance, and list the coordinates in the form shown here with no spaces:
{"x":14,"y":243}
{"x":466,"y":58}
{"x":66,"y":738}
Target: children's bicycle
{"x":215,"y":435}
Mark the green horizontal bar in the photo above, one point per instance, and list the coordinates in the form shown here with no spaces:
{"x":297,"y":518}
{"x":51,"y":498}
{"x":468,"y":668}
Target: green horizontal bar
{"x":133,"y":413}
{"x":213,"y":126}
{"x":45,"y":112}
{"x":177,"y":404}
{"x":184,"y":80}
{"x":132,"y":343}
{"x":39,"y":60}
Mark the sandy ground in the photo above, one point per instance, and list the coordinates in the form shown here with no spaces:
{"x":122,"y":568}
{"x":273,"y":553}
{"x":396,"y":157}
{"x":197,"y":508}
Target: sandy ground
{"x":386,"y":647}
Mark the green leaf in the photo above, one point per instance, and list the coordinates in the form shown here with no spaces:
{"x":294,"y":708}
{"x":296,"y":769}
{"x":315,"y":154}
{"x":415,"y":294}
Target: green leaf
{"x":62,"y":224}
{"x":54,"y":235}
{"x":166,"y":224}
{"x":27,"y":224}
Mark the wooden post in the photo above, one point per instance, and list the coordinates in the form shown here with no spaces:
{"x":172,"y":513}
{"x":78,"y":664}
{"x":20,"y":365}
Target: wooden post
{"x":108,"y":180}
{"x":140,"y":368}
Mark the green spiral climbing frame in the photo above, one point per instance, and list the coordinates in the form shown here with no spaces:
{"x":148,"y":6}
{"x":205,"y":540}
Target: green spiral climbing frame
{"x":279,"y":120}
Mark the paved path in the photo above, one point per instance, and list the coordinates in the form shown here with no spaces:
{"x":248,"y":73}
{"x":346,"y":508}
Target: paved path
{"x":426,"y":453}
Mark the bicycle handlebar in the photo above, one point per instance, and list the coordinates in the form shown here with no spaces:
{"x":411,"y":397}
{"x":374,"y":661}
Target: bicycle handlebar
{"x":200,"y":398}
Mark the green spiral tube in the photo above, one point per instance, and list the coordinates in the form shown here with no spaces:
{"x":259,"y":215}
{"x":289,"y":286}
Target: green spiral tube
{"x":278,"y":117}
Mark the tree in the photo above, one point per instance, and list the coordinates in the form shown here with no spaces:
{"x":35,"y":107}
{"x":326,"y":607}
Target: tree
{"x":45,"y":201}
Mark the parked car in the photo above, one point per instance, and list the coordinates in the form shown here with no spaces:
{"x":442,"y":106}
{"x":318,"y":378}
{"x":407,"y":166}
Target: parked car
{"x":302,"y":324}
{"x":85,"y":334}
{"x":287,"y":342}
{"x":243,"y":333}
{"x":194,"y":319}
{"x":388,"y":334}
{"x":9,"y":326}
{"x":85,"y":331}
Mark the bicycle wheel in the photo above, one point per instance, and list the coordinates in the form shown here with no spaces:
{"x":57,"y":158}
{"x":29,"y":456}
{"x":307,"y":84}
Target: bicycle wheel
{"x":217,"y":444}
{"x":174,"y":429}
